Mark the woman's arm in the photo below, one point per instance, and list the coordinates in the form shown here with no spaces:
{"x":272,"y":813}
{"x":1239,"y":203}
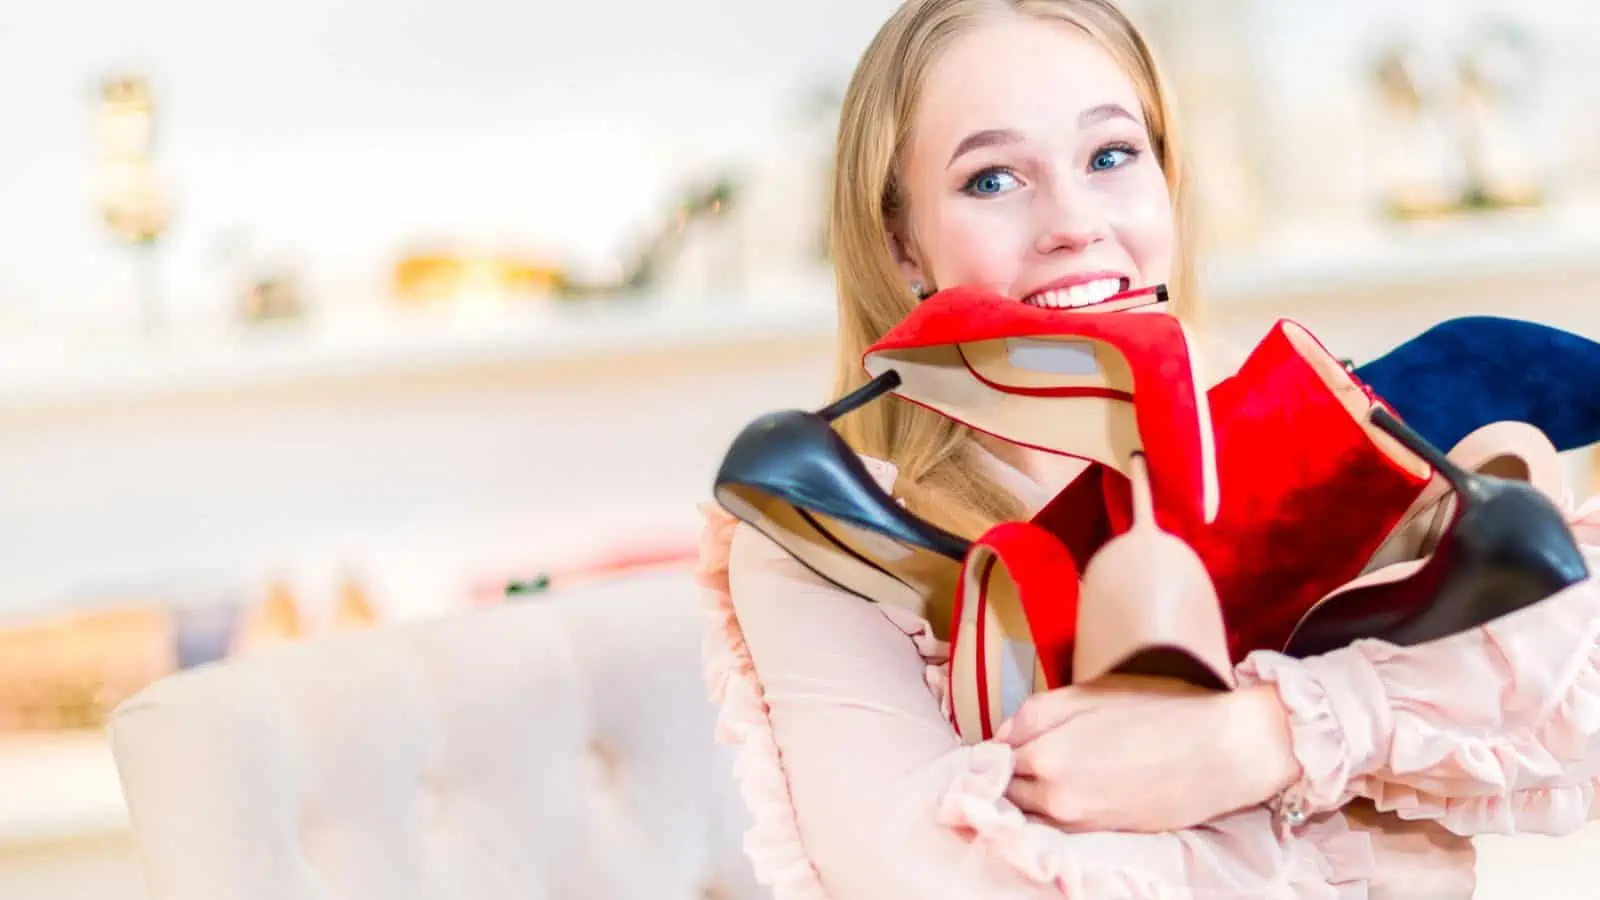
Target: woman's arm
{"x":862,"y":789}
{"x":1496,"y":730}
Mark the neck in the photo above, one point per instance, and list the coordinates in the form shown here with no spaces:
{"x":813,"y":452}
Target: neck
{"x":1052,"y":472}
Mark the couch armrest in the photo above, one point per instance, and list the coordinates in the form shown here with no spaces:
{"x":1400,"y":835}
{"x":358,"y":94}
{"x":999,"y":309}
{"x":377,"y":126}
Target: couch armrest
{"x":561,"y":748}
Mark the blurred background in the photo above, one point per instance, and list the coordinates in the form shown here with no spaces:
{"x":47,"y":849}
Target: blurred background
{"x":323,"y":316}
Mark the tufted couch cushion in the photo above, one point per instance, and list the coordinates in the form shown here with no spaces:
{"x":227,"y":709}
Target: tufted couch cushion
{"x":558,"y":749}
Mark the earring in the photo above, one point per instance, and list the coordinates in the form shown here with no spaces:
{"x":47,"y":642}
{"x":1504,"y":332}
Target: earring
{"x":919,"y":290}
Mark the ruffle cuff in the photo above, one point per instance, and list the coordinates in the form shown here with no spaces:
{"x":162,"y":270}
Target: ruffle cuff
{"x":1387,"y":723}
{"x":1338,"y":714}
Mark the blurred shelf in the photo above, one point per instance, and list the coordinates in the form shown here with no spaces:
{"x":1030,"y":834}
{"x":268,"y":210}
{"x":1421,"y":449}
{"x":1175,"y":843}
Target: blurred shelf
{"x":1561,"y":240}
{"x":58,"y":787}
{"x":49,"y":372}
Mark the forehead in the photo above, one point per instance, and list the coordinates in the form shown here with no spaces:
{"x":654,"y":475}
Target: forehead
{"x":1019,"y":72}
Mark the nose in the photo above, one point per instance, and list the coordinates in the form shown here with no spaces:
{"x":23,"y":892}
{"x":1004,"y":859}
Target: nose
{"x":1071,"y":219}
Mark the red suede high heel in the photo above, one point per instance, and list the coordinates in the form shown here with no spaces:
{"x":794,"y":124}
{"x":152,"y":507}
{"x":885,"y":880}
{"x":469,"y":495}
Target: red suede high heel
{"x":1311,"y":489}
{"x":1025,"y":621}
{"x":1486,"y":539}
{"x":1016,"y":610}
{"x":988,"y":361}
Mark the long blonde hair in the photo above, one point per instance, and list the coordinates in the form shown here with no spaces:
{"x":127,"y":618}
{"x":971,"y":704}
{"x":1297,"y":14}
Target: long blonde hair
{"x":940,"y":478}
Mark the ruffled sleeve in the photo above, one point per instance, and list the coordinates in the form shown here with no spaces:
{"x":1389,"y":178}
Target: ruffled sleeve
{"x":1493,"y":731}
{"x":862,"y":790}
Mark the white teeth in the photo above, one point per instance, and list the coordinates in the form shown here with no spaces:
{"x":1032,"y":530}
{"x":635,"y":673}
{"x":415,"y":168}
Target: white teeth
{"x":1086,"y":294}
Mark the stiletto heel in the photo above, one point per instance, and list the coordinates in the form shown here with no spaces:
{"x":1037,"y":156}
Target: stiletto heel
{"x":1016,"y":611}
{"x":790,"y":476}
{"x":988,"y":361}
{"x":1147,"y":606}
{"x":1507,"y":546}
{"x":859,"y":397}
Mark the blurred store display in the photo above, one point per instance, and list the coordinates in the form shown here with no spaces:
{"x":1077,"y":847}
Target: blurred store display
{"x":1500,"y":70}
{"x":135,"y":203}
{"x":465,"y":275}
{"x":1415,"y":125}
{"x":265,"y":284}
{"x":68,"y":666}
{"x":1300,"y":121}
{"x":1460,"y":148}
{"x":491,"y":590}
{"x":690,"y":223}
{"x":441,"y":275}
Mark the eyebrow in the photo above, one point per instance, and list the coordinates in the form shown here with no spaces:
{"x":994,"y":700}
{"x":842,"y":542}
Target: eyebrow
{"x":1105,"y":111}
{"x":993,"y":137}
{"x":989,"y":137}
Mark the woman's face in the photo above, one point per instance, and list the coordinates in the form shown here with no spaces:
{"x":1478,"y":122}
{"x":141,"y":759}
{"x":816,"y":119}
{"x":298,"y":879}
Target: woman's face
{"x":1030,"y":172}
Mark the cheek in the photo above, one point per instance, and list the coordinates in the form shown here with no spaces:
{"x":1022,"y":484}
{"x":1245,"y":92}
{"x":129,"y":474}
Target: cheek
{"x":974,"y":243}
{"x":1147,"y":232}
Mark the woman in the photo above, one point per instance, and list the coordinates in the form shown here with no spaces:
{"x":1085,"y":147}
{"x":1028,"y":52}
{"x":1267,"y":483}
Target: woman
{"x":1009,"y":143}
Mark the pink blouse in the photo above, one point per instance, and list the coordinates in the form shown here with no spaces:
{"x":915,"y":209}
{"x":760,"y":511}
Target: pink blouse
{"x":861,"y":788}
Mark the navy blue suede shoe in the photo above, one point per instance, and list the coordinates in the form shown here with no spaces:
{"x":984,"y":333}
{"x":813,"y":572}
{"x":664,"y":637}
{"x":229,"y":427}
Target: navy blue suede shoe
{"x":1468,"y":372}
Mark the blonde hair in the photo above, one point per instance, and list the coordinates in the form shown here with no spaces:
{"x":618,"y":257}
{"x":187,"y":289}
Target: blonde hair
{"x":940,"y":477}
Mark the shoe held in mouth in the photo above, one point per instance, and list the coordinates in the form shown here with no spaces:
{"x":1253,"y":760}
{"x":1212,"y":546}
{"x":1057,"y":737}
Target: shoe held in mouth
{"x":1098,"y":386}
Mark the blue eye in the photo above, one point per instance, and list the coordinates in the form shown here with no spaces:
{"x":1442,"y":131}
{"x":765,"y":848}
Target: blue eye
{"x":1110,"y":158}
{"x":990,"y":182}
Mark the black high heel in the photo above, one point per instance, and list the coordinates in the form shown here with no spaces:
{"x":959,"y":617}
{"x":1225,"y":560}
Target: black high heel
{"x":1507,"y":548}
{"x":790,"y":476}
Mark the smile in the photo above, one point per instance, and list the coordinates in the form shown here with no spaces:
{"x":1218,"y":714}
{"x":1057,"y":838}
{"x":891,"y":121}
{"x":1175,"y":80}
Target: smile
{"x":1086,"y":294}
{"x":1101,"y":294}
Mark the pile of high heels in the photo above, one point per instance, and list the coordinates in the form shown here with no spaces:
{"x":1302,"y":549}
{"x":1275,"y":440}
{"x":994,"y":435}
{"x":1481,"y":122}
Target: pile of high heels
{"x":1285,"y":507}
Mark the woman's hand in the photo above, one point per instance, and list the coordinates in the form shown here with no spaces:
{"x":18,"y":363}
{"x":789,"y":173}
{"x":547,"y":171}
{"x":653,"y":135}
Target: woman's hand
{"x":1415,"y":859}
{"x":1130,"y":753}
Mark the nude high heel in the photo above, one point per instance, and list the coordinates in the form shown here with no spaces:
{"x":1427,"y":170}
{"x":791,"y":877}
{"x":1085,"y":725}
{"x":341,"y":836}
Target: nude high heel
{"x":1015,"y":613}
{"x":1147,"y":606}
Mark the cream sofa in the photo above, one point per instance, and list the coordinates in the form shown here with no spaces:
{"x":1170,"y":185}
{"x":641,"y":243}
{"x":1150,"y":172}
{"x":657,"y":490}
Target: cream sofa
{"x":557,"y":748}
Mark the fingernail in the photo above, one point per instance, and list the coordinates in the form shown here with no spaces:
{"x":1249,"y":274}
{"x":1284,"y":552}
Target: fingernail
{"x":1003,"y":731}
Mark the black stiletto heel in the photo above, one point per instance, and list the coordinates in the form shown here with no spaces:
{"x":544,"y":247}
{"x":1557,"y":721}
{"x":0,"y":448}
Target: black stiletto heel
{"x":790,"y":476}
{"x":1507,"y":548}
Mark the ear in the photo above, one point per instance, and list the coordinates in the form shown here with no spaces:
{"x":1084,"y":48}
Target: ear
{"x":906,"y":257}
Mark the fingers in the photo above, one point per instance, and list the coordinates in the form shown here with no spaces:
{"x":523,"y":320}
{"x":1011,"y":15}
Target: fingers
{"x":1036,"y":797}
{"x":1050,"y":709}
{"x":1038,"y":714}
{"x":1034,"y":760}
